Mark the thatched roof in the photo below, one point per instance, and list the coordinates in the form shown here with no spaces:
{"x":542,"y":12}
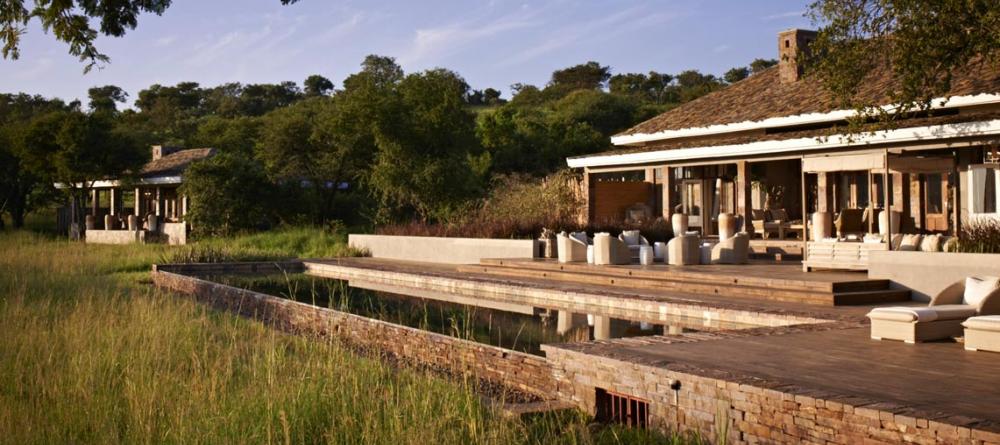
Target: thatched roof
{"x":763,"y":96}
{"x":175,"y":163}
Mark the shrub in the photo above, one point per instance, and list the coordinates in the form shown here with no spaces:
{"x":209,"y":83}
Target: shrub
{"x":980,"y":236}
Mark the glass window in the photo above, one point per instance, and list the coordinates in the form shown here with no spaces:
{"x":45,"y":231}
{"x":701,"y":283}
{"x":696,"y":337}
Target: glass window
{"x":935,"y":198}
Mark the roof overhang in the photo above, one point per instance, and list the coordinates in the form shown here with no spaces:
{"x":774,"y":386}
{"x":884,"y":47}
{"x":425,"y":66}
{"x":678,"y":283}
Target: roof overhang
{"x":789,"y":121}
{"x":931,"y":133}
{"x":110,"y":183}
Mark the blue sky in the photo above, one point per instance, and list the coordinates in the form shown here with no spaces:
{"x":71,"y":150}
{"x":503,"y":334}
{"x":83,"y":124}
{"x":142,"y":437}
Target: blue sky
{"x":491,"y":43}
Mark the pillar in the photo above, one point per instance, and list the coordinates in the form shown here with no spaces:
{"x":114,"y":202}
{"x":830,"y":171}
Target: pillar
{"x":94,"y":202}
{"x":137,"y":202}
{"x":824,"y":191}
{"x":901,"y":201}
{"x":588,"y":197}
{"x":652,"y":202}
{"x":602,"y":327}
{"x":744,"y":199}
{"x":566,"y":321}
{"x":184,"y":205}
{"x":159,"y":202}
{"x":668,"y":193}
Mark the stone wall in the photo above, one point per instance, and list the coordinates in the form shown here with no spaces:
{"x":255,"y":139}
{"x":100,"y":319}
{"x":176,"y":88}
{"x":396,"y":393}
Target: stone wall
{"x":175,"y":233}
{"x":525,"y":372}
{"x":743,"y":413}
{"x":431,"y":249}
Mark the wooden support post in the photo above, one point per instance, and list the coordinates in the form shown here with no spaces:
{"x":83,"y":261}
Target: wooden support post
{"x":94,"y":202}
{"x":588,"y":196}
{"x":888,"y":216}
{"x":824,"y":192}
{"x":650,"y":178}
{"x":744,"y":199}
{"x":805,"y":215}
{"x":668,"y":193}
{"x":956,"y":203}
{"x":901,"y":199}
{"x":137,"y":202}
{"x":159,"y":202}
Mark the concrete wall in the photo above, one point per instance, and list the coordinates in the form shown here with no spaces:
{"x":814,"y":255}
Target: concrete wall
{"x":525,"y":372}
{"x":175,"y":233}
{"x":441,"y":250}
{"x":98,"y":236}
{"x":927,"y":273}
{"x":748,"y":414}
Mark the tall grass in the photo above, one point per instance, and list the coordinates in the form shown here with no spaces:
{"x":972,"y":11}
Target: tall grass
{"x":90,"y":355}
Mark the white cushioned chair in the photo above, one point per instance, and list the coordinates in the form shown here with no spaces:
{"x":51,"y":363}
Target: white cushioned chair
{"x":943,"y":318}
{"x":610,"y":250}
{"x":634,"y":240}
{"x":572,"y":248}
{"x":732,"y":250}
{"x":683,"y":250}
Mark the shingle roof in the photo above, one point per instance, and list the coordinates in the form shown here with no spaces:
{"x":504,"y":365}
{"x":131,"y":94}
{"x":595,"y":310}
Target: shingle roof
{"x":175,"y":163}
{"x":763,"y":96}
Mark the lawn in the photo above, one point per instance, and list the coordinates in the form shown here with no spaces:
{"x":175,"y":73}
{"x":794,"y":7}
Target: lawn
{"x":91,"y":353}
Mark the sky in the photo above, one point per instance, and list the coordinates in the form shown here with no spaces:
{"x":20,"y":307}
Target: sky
{"x":491,"y":43}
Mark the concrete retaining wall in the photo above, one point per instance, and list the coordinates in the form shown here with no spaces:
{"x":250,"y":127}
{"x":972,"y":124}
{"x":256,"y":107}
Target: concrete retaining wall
{"x":927,"y":273}
{"x":441,"y":250}
{"x":526,"y":372}
{"x":175,"y":233}
{"x":746,"y":414}
{"x":96,"y":236}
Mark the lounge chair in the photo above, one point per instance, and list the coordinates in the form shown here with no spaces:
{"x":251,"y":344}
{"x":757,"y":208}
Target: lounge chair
{"x":732,"y":250}
{"x":982,"y":333}
{"x":573,"y":247}
{"x":943,"y":317}
{"x":851,"y":222}
{"x":771,"y":222}
{"x":610,"y":250}
{"x":683,"y":250}
{"x":634,"y":240}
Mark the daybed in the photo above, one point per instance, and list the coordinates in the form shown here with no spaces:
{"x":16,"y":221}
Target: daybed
{"x":943,"y":318}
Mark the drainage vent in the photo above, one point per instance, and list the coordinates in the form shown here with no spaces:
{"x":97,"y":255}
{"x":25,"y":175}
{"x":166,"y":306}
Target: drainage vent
{"x":614,"y":407}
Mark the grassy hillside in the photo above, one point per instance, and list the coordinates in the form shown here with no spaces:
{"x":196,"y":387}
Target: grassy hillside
{"x":90,"y":353}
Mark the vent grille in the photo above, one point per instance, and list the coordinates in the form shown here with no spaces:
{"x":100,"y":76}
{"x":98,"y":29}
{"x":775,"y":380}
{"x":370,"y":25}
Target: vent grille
{"x":623,"y":409}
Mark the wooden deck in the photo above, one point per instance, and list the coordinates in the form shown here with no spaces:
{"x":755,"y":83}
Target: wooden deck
{"x":931,"y":378}
{"x":760,"y":279}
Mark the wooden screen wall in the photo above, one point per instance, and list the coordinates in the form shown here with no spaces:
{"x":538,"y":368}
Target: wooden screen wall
{"x":610,"y":199}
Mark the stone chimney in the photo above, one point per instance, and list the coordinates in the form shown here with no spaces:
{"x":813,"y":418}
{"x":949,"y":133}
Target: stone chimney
{"x":160,"y":151}
{"x":792,"y":44}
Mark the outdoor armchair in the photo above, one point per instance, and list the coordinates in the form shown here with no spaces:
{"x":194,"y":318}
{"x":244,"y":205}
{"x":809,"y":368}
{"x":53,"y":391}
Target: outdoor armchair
{"x":732,"y":250}
{"x":573,"y":247}
{"x":634,"y":240}
{"x":610,"y":250}
{"x":943,"y":317}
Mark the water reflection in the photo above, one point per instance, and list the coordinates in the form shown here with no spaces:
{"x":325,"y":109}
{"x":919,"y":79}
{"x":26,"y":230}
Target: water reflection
{"x":507,"y":324}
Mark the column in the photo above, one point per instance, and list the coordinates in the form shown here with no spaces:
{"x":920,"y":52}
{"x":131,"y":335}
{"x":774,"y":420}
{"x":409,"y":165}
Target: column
{"x":652,"y":202}
{"x":159,"y":202}
{"x":901,"y":201}
{"x":824,"y":191}
{"x":668,"y":189}
{"x":602,"y":327}
{"x":588,"y":197}
{"x":184,"y":205}
{"x":137,"y":202}
{"x":94,"y":203}
{"x":744,"y":200}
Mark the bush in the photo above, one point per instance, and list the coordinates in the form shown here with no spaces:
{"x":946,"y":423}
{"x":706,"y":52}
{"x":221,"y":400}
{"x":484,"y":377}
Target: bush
{"x":981,"y":236}
{"x":521,"y":207}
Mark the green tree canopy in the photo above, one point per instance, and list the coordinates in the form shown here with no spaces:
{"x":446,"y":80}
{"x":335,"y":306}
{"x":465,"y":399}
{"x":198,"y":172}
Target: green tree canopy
{"x":923,"y":42}
{"x":316,"y":85}
{"x":106,"y":98}
{"x":229,"y":193}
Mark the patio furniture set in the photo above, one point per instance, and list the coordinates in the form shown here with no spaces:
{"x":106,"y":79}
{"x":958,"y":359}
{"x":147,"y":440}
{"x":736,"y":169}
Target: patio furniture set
{"x":970,"y":307}
{"x":685,"y":248}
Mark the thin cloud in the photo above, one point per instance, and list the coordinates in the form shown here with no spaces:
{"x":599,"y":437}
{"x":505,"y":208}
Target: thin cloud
{"x":784,"y":15}
{"x":720,"y":49}
{"x":165,"y":41}
{"x":430,"y":45}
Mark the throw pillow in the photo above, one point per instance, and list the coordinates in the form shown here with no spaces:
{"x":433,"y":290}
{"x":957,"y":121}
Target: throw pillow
{"x":931,"y":243}
{"x":977,"y":288}
{"x":910,"y":243}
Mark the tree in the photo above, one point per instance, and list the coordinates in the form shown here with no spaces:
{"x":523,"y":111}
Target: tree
{"x":428,"y":156}
{"x":316,"y":85}
{"x":758,"y":65}
{"x":923,"y":42}
{"x":491,"y":96}
{"x":586,"y":76}
{"x":236,"y":135}
{"x":736,"y":74}
{"x":104,"y":99}
{"x":70,"y":22}
{"x":228,"y":193}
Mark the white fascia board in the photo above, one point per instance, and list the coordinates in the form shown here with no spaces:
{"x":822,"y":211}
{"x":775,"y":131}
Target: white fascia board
{"x":902,"y":135}
{"x":786,"y":121}
{"x":110,"y":183}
